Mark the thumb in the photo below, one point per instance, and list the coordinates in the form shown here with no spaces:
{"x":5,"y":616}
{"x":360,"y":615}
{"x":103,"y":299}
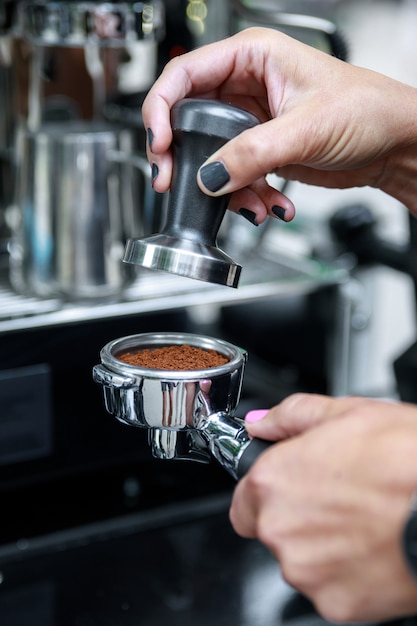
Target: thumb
{"x":296,"y":414}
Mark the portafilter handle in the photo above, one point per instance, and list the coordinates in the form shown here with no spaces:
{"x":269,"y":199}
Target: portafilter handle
{"x":187,"y":243}
{"x":229,"y":443}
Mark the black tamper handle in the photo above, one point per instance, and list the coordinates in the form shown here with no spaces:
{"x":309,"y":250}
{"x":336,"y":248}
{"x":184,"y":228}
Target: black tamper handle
{"x":252,"y":451}
{"x":187,"y":245}
{"x":200,"y":127}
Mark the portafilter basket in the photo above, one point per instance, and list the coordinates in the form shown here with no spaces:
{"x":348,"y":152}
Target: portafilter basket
{"x":189,"y":414}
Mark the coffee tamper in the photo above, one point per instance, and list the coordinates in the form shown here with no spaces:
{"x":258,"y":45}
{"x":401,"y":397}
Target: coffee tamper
{"x":187,"y":243}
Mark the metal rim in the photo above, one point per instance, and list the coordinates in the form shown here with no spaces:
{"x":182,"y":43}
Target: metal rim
{"x":237,"y":356}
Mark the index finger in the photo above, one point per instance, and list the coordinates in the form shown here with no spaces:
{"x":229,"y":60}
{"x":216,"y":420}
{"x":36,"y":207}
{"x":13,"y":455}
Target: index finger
{"x":195,"y":72}
{"x":231,"y":70}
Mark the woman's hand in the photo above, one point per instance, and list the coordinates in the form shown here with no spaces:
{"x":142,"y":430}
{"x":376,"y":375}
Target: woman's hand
{"x":330,"y":501}
{"x":325,"y":122}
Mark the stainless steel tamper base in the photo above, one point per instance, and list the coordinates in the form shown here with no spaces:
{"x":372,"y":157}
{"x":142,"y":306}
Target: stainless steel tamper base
{"x":183,"y":257}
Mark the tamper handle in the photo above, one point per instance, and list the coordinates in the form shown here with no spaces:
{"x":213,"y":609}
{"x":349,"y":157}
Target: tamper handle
{"x":187,"y":243}
{"x":200,"y":127}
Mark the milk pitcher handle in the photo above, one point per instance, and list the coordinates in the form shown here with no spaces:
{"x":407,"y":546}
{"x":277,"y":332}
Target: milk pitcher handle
{"x":136,"y":160}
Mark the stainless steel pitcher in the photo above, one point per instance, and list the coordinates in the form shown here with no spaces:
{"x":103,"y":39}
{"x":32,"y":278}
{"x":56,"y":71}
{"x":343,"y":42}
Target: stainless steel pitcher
{"x":76,"y":203}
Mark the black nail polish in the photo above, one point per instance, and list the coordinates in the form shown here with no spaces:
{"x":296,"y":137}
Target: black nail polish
{"x":279,"y":212}
{"x":150,"y":137}
{"x":214,"y":176}
{"x":155,"y":171}
{"x":249,"y":215}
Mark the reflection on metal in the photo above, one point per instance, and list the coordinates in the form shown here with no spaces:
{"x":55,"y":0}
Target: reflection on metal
{"x":187,"y":413}
{"x":76,"y":23}
{"x":157,"y":291}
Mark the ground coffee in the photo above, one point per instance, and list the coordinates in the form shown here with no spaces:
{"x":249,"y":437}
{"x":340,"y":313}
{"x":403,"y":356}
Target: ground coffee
{"x":182,"y":357}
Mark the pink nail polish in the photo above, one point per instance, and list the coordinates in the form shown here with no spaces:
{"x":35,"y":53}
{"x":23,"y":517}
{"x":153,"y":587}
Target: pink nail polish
{"x":256,"y":416}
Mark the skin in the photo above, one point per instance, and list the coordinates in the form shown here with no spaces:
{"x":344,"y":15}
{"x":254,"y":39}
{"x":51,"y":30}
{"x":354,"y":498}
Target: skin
{"x":330,"y":499}
{"x":325,"y":122}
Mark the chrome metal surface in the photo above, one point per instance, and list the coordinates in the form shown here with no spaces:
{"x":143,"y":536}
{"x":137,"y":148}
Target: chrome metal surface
{"x":171,"y":401}
{"x":277,"y":17}
{"x":188,"y":413}
{"x":15,"y":307}
{"x":7,"y":127}
{"x":227,"y":440}
{"x":183,"y":257}
{"x":77,"y":201}
{"x":150,"y":341}
{"x":262,"y":277}
{"x":187,"y":243}
{"x":76,"y":23}
{"x":7,"y":119}
{"x":297,"y":21}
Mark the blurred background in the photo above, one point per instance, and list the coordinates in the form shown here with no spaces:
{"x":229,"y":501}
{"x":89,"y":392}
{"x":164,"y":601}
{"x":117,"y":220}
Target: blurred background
{"x":93,"y":530}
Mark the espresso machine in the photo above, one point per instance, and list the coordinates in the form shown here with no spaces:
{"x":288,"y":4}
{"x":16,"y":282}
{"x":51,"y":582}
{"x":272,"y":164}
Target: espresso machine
{"x":125,"y":521}
{"x":82,"y":184}
{"x":88,"y":240}
{"x":6,"y":124}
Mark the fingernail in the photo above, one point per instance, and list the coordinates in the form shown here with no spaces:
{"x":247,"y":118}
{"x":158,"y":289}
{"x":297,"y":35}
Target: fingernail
{"x":256,"y":415}
{"x":214,"y":175}
{"x":279,"y":212}
{"x":150,"y":137}
{"x":249,"y":215}
{"x":155,"y":171}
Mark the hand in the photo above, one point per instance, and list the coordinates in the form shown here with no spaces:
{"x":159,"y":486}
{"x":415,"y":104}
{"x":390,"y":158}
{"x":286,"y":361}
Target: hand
{"x":325,"y":122}
{"x":330,"y":501}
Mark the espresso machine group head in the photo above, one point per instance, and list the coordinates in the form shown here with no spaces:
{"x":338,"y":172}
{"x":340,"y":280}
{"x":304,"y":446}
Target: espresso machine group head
{"x":187,"y":244}
{"x":189,"y":414}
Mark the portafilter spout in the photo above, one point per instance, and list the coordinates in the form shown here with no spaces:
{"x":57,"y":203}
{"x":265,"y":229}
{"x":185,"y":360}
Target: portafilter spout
{"x":187,"y":243}
{"x":189,"y":414}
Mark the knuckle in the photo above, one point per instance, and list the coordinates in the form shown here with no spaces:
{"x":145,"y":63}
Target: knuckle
{"x":258,"y":480}
{"x":295,"y":400}
{"x":337,"y":605}
{"x":334,"y":612}
{"x":298,"y":574}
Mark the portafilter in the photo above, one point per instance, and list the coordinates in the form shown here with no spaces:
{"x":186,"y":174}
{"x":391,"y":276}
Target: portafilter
{"x":189,"y":414}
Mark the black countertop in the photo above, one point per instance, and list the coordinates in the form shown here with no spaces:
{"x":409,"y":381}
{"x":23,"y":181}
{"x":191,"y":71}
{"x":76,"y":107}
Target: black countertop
{"x":178,"y":565}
